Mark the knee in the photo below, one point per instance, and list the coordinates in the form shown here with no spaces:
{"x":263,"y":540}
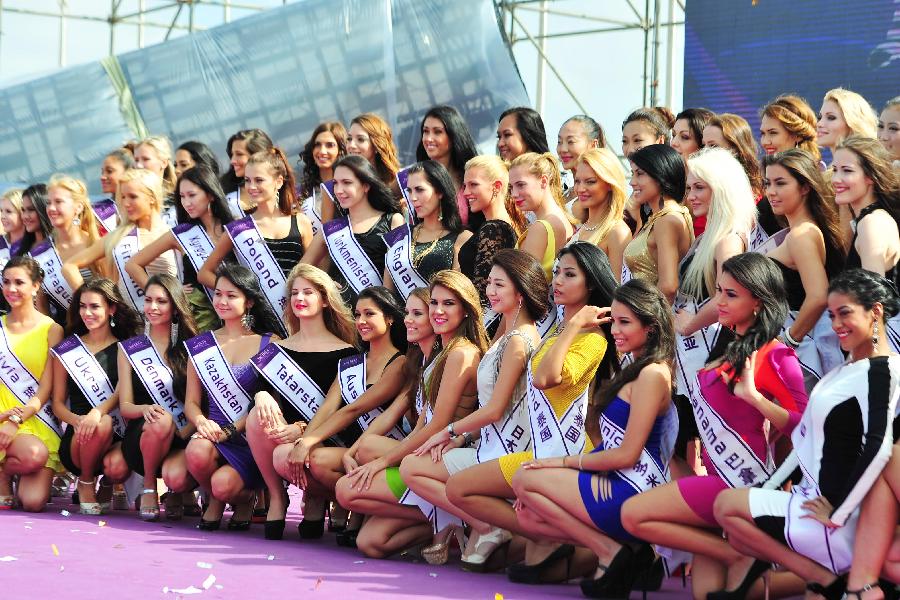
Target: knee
{"x":367,"y":451}
{"x":726,"y":505}
{"x":631,"y":515}
{"x":159,"y":429}
{"x":457,"y":490}
{"x":199,"y":454}
{"x":34,"y":503}
{"x":176,"y":477}
{"x":225,"y":485}
{"x":280,"y":459}
{"x":34,"y":458}
{"x":115,"y":467}
{"x":370,"y":545}
{"x":521,"y":482}
{"x":105,"y":427}
{"x":253,"y":424}
{"x":320,"y":465}
{"x":344,"y":493}
{"x":409,"y":466}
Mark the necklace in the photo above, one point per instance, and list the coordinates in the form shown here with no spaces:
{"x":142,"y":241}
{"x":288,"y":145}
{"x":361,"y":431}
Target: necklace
{"x":585,"y":227}
{"x":417,"y":259}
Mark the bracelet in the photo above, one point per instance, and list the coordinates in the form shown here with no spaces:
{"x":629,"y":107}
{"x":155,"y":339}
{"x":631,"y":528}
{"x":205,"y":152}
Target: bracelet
{"x":790,"y":340}
{"x":467,"y":439}
{"x":298,"y":440}
{"x":229,"y":430}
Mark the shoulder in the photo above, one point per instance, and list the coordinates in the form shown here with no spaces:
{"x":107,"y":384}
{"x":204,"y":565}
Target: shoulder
{"x":493,"y":228}
{"x":878,"y":221}
{"x":803,"y":237}
{"x":462,"y":237}
{"x":396,"y":220}
{"x":656,"y":374}
{"x":620,"y":232}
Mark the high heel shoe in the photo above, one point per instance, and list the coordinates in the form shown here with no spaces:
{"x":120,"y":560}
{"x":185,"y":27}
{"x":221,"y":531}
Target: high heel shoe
{"x":148,"y":513}
{"x":756,"y":570}
{"x":522,"y":573}
{"x":235,"y":524}
{"x":616,"y":580}
{"x":88,"y":508}
{"x":205,"y":525}
{"x":833,"y":591}
{"x":482,"y":547}
{"x":312,"y":528}
{"x":439,"y":552}
{"x":274,"y":530}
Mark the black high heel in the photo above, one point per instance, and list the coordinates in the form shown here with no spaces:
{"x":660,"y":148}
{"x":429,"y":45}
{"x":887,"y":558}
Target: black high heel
{"x":522,"y":573}
{"x":616,"y":580}
{"x":649,"y":570}
{"x":833,"y":591}
{"x":756,"y":570}
{"x":347,"y":538}
{"x":205,"y":525}
{"x":274,"y":530}
{"x":311,"y":530}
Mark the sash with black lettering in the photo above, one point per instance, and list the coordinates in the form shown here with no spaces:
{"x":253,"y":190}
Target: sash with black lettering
{"x":233,"y":199}
{"x":626,"y":275}
{"x":4,"y":252}
{"x":218,"y":380}
{"x":155,"y":375}
{"x":196,"y":245}
{"x":734,"y":461}
{"x":86,"y":372}
{"x":647,"y":473}
{"x":54,"y":283}
{"x":252,"y":252}
{"x":510,"y":434}
{"x":552,"y":436}
{"x":691,"y":351}
{"x":403,"y":181}
{"x":348,"y":256}
{"x":400,"y":261}
{"x":291,"y":381}
{"x":352,"y":378}
{"x":311,"y":211}
{"x":21,"y":383}
{"x":107,"y":215}
{"x":129,"y":245}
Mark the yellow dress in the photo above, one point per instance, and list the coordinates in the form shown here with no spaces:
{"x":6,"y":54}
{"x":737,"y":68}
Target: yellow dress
{"x":637,"y":254}
{"x":549,"y":253}
{"x":32,"y":349}
{"x":579,"y":367}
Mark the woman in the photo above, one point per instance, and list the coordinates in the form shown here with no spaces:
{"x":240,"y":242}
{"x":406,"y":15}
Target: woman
{"x":751,"y":301}
{"x":202,"y":216}
{"x":576,"y":136}
{"x":154,"y":153}
{"x":152,"y":372}
{"x":446,"y":394}
{"x":519,"y":130}
{"x":556,"y":495}
{"x":446,"y":139}
{"x":600,"y":190}
{"x":416,"y":253}
{"x":844,"y":113}
{"x":788,"y":122}
{"x":11,"y":220}
{"x":114,"y":166}
{"x":687,"y":132}
{"x":271,"y":240}
{"x":195,"y":154}
{"x":217,"y":455}
{"x":141,"y":200}
{"x":372,"y":211}
{"x":34,"y":217}
{"x":366,"y":386}
{"x":321,"y":335}
{"x":326,"y":146}
{"x":517,"y":291}
{"x":241,"y":146}
{"x":841,"y":445}
{"x":809,"y":255}
{"x":559,"y":374}
{"x":370,"y":136}
{"x":485,"y":189}
{"x":658,"y":181}
{"x":536,"y":187}
{"x":29,"y":432}
{"x":646,"y":126}
{"x":85,"y":390}
{"x":889,"y":128}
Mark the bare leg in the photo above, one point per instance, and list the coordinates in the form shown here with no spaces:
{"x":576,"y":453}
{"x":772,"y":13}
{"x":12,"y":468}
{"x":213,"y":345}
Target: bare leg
{"x":34,"y":489}
{"x":377,"y":500}
{"x":429,"y":480}
{"x":156,"y":439}
{"x":482,"y":492}
{"x":175,"y":473}
{"x":114,"y":466}
{"x":26,"y":456}
{"x":381,"y":537}
{"x":202,"y":460}
{"x":263,"y":450}
{"x":326,"y":466}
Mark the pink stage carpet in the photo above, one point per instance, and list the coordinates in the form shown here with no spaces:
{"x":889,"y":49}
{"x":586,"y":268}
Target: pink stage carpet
{"x":118,"y":557}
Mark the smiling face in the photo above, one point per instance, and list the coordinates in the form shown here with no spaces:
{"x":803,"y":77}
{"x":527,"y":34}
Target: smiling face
{"x":528,"y":190}
{"x":852,"y":323}
{"x":644,"y":189}
{"x":137,"y":203}
{"x":261,"y":183}
{"x":348,"y":189}
{"x":146,"y":157}
{"x":571,"y":143}
{"x":306,"y":299}
{"x":158,"y":308}
{"x":478,"y":189}
{"x":435,"y":139}
{"x":325,"y":150}
{"x":683,"y":140}
{"x":359,"y":142}
{"x":501,"y":293}
{"x":446,"y":311}
{"x":569,"y":283}
{"x":94,"y":311}
{"x":371,"y":323}
{"x":110,"y":172}
{"x":591,"y":189}
{"x":424,"y":198}
{"x":699,"y":196}
{"x":735,"y":303}
{"x":61,"y":208}
{"x":239,"y":157}
{"x":11,"y":219}
{"x":628,"y":332}
{"x":229,"y":301}
{"x":636,"y":135}
{"x":848,"y":178}
{"x":509,"y":141}
{"x":18,"y":286}
{"x":417,"y":321}
{"x":714,"y":138}
{"x":831,"y":127}
{"x":30,"y":218}
{"x":784,"y":192}
{"x":194,"y":199}
{"x":889,"y":130}
{"x":773,"y":137}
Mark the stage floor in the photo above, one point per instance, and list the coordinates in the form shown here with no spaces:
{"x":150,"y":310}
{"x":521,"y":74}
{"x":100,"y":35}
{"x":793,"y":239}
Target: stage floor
{"x":117,"y":556}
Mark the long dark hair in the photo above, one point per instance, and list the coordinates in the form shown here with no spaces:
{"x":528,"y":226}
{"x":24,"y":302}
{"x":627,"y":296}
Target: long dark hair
{"x":867,"y":288}
{"x":176,"y":352}
{"x":310,"y":178}
{"x":264,"y":319}
{"x":257,"y":140}
{"x":125,"y":323}
{"x":389,"y":304}
{"x":380,"y":195}
{"x":653,"y":311}
{"x":462,"y":144}
{"x":201,"y":154}
{"x":697,"y":119}
{"x":439,"y":178}
{"x":663,"y":163}
{"x":527,"y":276}
{"x":208,"y":181}
{"x":762,"y":278}
{"x":278,"y":164}
{"x":530,"y":126}
{"x":37,"y":193}
{"x":601,"y":284}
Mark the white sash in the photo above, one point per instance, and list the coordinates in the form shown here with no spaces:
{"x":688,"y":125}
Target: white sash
{"x":87,"y":373}
{"x":196,"y":245}
{"x":233,"y":199}
{"x":512,"y":434}
{"x":693,"y":350}
{"x":400,"y":261}
{"x":489,"y":316}
{"x":21,"y":383}
{"x":54,"y":283}
{"x":348,"y":256}
{"x":129,"y":245}
{"x":215,"y":373}
{"x":4,"y":252}
{"x":252,"y":252}
{"x":402,"y":181}
{"x":106,"y":213}
{"x":647,"y":473}
{"x":291,"y":381}
{"x":328,"y":188}
{"x":626,"y":274}
{"x":421,"y":403}
{"x":757,"y":238}
{"x":551,"y":436}
{"x":548,"y":323}
{"x":352,"y":378}
{"x":312,"y":213}
{"x":734,"y":460}
{"x":155,"y":375}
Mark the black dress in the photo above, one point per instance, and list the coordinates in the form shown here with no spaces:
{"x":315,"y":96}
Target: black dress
{"x":287,"y":250}
{"x":854,"y":261}
{"x":476,"y":255}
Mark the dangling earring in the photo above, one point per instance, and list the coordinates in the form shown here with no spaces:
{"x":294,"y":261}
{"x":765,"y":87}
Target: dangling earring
{"x":516,"y":316}
{"x":247,"y":321}
{"x":173,"y":334}
{"x":112,"y":321}
{"x":875,"y":336}
{"x":76,"y":221}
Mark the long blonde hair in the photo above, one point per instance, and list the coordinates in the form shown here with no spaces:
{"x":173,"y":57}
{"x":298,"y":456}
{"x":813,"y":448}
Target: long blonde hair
{"x":544,"y":165}
{"x":337,"y":317}
{"x":153,"y":186}
{"x":604,"y":163}
{"x":858,"y":113}
{"x":732,"y":209}
{"x":79,"y":192}
{"x":163,"y":148}
{"x":496,"y":169}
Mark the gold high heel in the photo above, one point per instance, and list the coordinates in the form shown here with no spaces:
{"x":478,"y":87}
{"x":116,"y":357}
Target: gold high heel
{"x":439,"y":552}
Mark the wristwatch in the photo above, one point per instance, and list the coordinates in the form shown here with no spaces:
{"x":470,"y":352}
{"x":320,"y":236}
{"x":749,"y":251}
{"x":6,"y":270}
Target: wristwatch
{"x":451,"y":431}
{"x":15,"y":419}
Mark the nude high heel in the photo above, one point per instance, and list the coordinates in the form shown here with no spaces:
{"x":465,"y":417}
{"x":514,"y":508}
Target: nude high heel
{"x":438,"y":553}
